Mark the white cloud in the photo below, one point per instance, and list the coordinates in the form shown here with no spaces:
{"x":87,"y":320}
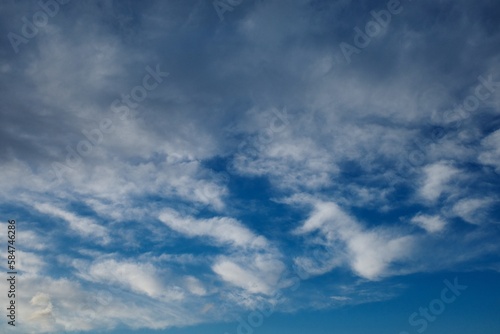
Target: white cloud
{"x":347,"y":127}
{"x":17,"y":175}
{"x":48,"y":305}
{"x":241,"y":277}
{"x":252,"y":263}
{"x":42,"y":300}
{"x":33,"y":240}
{"x":340,"y":298}
{"x":256,"y":273}
{"x":195,"y":286}
{"x":141,"y":278}
{"x":222,"y":230}
{"x":436,"y":179}
{"x":472,"y":210}
{"x":62,"y":305}
{"x":490,"y":154}
{"x":369,"y":252}
{"x":85,"y":227}
{"x":290,"y":161}
{"x":29,"y":263}
{"x":431,"y":224}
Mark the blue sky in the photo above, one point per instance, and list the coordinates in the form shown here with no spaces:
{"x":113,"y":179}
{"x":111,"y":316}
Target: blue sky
{"x":297,"y":166}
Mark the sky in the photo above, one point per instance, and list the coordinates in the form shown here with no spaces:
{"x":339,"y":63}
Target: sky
{"x":251,"y":166}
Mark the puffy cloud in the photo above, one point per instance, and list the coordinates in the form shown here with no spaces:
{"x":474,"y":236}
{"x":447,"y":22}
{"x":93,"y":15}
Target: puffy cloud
{"x":436,"y":179}
{"x":369,"y":252}
{"x":431,"y":224}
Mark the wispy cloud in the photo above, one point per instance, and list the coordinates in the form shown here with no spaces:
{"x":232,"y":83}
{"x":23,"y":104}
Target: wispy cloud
{"x":369,"y":253}
{"x":432,"y":224}
{"x":436,"y":179}
{"x":85,"y":227}
{"x":263,"y":155}
{"x":221,"y":230}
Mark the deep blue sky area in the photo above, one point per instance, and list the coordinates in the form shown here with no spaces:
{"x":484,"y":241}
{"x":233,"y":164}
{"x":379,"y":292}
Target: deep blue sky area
{"x":250,"y":166}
